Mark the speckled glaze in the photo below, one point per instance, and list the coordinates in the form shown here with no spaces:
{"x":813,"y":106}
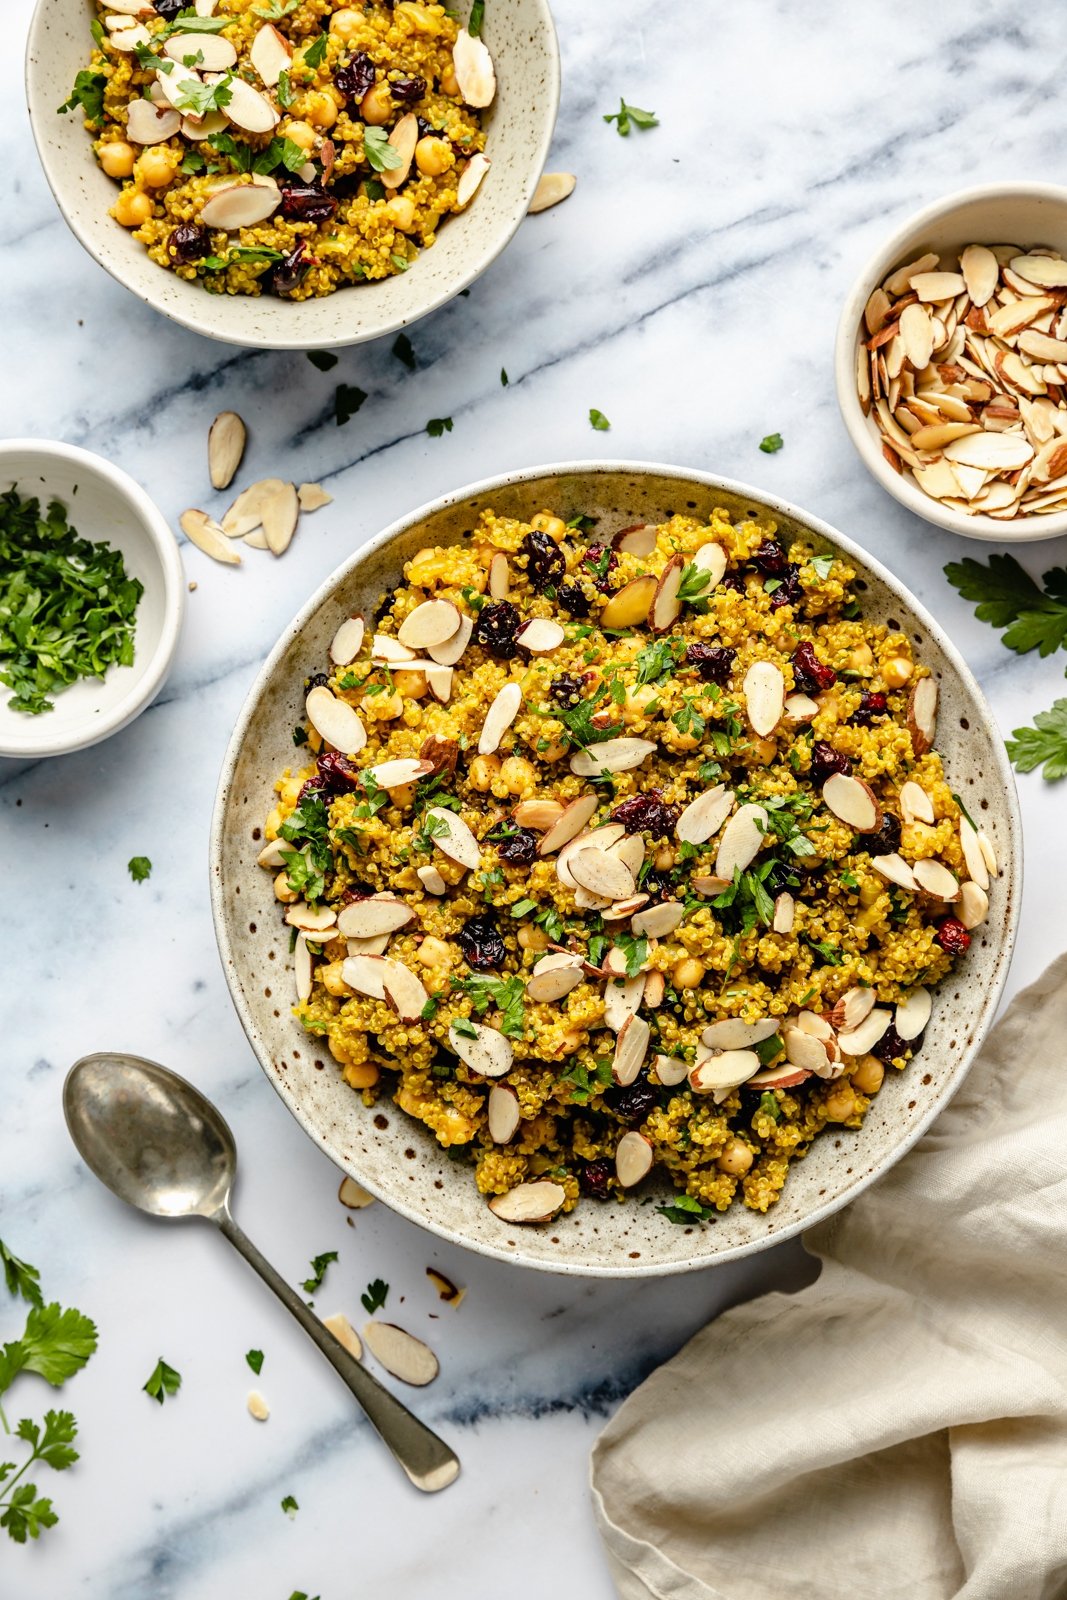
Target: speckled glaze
{"x":521,"y":37}
{"x":396,"y":1157}
{"x":1025,"y":214}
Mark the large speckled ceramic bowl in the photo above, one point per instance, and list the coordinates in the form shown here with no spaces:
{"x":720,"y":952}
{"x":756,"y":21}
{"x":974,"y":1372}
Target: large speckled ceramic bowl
{"x":522,"y":40}
{"x":396,"y":1157}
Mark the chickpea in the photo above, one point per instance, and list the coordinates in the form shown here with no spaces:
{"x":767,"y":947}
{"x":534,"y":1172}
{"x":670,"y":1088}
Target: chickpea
{"x":346,"y":24}
{"x":383,"y":707}
{"x":570,"y":1042}
{"x":765,"y":750}
{"x":132,"y":208}
{"x":553,"y":750}
{"x":517,"y":774}
{"x":896,"y":672}
{"x":484,"y":770}
{"x":117,"y":158}
{"x":434,"y":953}
{"x":272,"y":826}
{"x":861,"y":659}
{"x":410,"y":682}
{"x":735,"y":1159}
{"x":155,"y":167}
{"x":376,"y":107}
{"x":545,"y":522}
{"x":283,"y":891}
{"x":416,"y":16}
{"x":637,"y":702}
{"x":840,"y":1102}
{"x":301,"y":133}
{"x":448,"y":83}
{"x":687,"y":973}
{"x":400,"y":211}
{"x":332,"y":981}
{"x":320,"y":109}
{"x":531,"y":937}
{"x":361,"y":1075}
{"x":664,"y":859}
{"x":867,"y":1077}
{"x":433,"y":156}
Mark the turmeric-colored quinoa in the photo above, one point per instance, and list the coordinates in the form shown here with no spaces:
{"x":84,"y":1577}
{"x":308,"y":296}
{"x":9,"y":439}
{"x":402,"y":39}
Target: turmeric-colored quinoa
{"x":812,"y":932}
{"x":364,"y":136}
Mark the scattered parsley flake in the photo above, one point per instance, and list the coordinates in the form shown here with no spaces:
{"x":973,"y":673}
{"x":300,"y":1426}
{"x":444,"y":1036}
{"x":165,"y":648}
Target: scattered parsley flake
{"x":374,"y":1296}
{"x":382,"y":155}
{"x":346,"y":402}
{"x":771,"y":443}
{"x":255,"y":1360}
{"x":599,"y":420}
{"x":685,"y":1211}
{"x":504,"y":380}
{"x":438,"y":425}
{"x":319,"y":1265}
{"x":289,"y":1506}
{"x":139,"y":868}
{"x":476,"y":18}
{"x":402,"y":349}
{"x":628,"y":116}
{"x":163,"y":1381}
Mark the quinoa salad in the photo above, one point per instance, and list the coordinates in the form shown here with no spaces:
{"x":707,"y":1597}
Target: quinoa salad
{"x":285,"y":146}
{"x":618,"y":854}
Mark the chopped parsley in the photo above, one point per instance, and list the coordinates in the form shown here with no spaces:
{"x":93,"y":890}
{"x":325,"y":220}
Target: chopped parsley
{"x":769,"y":1107}
{"x":438,"y":425}
{"x":88,"y":92}
{"x":822,"y":565}
{"x":598,"y":420}
{"x":164,"y":1380}
{"x":300,"y":735}
{"x":382,"y":155}
{"x":285,"y":89}
{"x":319,"y":1265}
{"x":631,"y":116}
{"x":771,"y":443}
{"x":522,"y":908}
{"x":504,"y":380}
{"x":403,"y":350}
{"x":274,"y":10}
{"x":694,"y":586}
{"x":507,"y":994}
{"x":190,"y":21}
{"x":346,"y":402}
{"x":315,"y":51}
{"x":20,"y":1277}
{"x":585,"y":1085}
{"x":255,"y":1360}
{"x":658,"y":660}
{"x":374,"y":1296}
{"x":139,"y":868}
{"x":476,"y":18}
{"x":289,"y":1505}
{"x":830,"y":955}
{"x":685,"y":1211}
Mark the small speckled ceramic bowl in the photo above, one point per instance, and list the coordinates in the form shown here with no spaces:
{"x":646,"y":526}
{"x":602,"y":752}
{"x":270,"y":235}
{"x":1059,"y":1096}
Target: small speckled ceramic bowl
{"x":103,"y":504}
{"x":521,"y":37}
{"x":394,"y":1156}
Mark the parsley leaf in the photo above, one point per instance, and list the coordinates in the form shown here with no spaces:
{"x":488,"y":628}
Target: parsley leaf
{"x":315,"y":51}
{"x":1044,"y":745}
{"x":289,"y":1505}
{"x":586,"y":1084}
{"x":507,"y":994}
{"x":769,"y":1107}
{"x":323,"y":359}
{"x":163,"y":1381}
{"x":24,"y":1514}
{"x":822,"y":565}
{"x":382,"y":155}
{"x":685,"y":1211}
{"x":273,"y":10}
{"x":346,"y":402}
{"x":55,"y":1344}
{"x":631,"y":115}
{"x":20,"y":1277}
{"x":255,"y":1360}
{"x":285,"y":90}
{"x":504,"y":380}
{"x":402,"y":349}
{"x":1006,"y":596}
{"x":476,"y":18}
{"x":438,"y":425}
{"x":599,"y":420}
{"x":771,"y":443}
{"x":657,"y":661}
{"x":374,"y":1296}
{"x":139,"y":868}
{"x":88,"y":92}
{"x":318,"y":1271}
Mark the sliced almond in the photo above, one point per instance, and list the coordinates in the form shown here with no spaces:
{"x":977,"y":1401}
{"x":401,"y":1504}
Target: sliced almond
{"x":448,"y":653}
{"x":257,"y":1406}
{"x":473,"y":66}
{"x":912,"y":1014}
{"x":915,"y":803}
{"x":431,"y":880}
{"x":431,"y":623}
{"x":540,"y":636}
{"x":785,"y":908}
{"x":245,"y":515}
{"x":335,"y":721}
{"x":622,"y":910}
{"x":280,"y":513}
{"x":313,"y":497}
{"x":529,"y":1202}
{"x":972,"y":907}
{"x":860,"y":1041}
{"x":365,"y":974}
{"x":447,"y":1291}
{"x":499,"y":576}
{"x":922,"y":715}
{"x":240,"y":205}
{"x":629,"y":605}
{"x":373,"y":915}
{"x":129,"y":40}
{"x":270,"y":54}
{"x":711,"y":558}
{"x":397,"y":774}
{"x":899,"y":282}
{"x":631,"y":1047}
{"x":931,"y":286}
{"x":404,"y":991}
{"x":854,"y":1006}
{"x":630,"y":850}
{"x":1042,"y":346}
{"x":612,"y":755}
{"x":633,"y":1158}
{"x":502,"y":1113}
{"x":215,"y":52}
{"x":972,"y":854}
{"x":208,"y":537}
{"x":764,"y":691}
{"x":554,"y":976}
{"x":502,"y":712}
{"x":989,"y":855}
{"x":272,"y":855}
{"x":1050,"y":272}
{"x":917,"y":333}
{"x":666,"y":605}
{"x":197,"y":129}
{"x":347,"y":641}
{"x":552,"y":187}
{"x":439,"y":682}
{"x":981,"y":273}
{"x":149,"y":124}
{"x":248,"y":108}
{"x":569,"y":824}
{"x":602,"y":838}
{"x":936,"y":880}
{"x":302,"y":970}
{"x":369,"y":947}
{"x":638,"y":540}
{"x":724,"y":1070}
{"x":733,"y":1034}
{"x":457,"y":841}
{"x":805,"y":1052}
{"x":403,"y":138}
{"x":344,"y":1333}
{"x":470,"y":179}
{"x":784,"y":1076}
{"x":622,"y":1000}
{"x":938,"y":434}
{"x":800,"y":708}
{"x":401,"y":1354}
{"x":605,"y":875}
{"x":894,"y":868}
{"x":741,"y":840}
{"x":654,"y":990}
{"x":993,"y":452}
{"x":486,"y":1050}
{"x":852,"y":801}
{"x":658,"y":922}
{"x":383,"y":647}
{"x":669,"y":1070}
{"x":311,"y":919}
{"x":708,"y":884}
{"x":354,"y":1196}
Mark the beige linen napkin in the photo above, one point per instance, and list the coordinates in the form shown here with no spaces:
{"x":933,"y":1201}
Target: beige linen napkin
{"x":900,"y":1427}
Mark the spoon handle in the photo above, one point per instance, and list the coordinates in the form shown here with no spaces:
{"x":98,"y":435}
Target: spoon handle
{"x":426,"y":1459}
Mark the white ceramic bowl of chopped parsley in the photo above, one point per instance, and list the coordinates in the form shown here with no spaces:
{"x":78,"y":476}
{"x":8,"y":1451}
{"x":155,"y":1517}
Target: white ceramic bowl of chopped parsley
{"x":91,"y":598}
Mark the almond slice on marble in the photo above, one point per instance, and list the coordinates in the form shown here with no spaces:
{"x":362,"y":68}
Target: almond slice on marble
{"x":383,"y":647}
{"x":457,"y":842}
{"x":602,"y":873}
{"x":257,"y":1406}
{"x":373,"y":915}
{"x":486,"y":1051}
{"x":733,"y":1034}
{"x":741,"y":840}
{"x":711,"y":558}
{"x":981,"y":273}
{"x":800,"y":708}
{"x":433,"y":622}
{"x":280,"y":513}
{"x":216,"y":52}
{"x":913,"y":1013}
{"x":270,"y":54}
{"x":622,"y":1001}
{"x":401,"y":1354}
{"x":922,"y":715}
{"x":723,"y":1070}
{"x":473,"y":66}
{"x":631,"y":1047}
{"x":448,"y":653}
{"x":353,"y":1195}
{"x":569,"y":824}
{"x":310,"y":919}
{"x":666,"y":605}
{"x":972,"y":854}
{"x":894,"y":868}
{"x":502,"y":712}
{"x":447,"y":1291}
{"x":972,"y":907}
{"x":538,"y":1201}
{"x":629,"y":605}
{"x":347,"y":641}
{"x":915,"y":803}
{"x":403,"y":138}
{"x":431,"y":880}
{"x":931,"y":286}
{"x":335,"y":721}
{"x":658,"y":922}
{"x":785,"y":910}
{"x":344,"y":1333}
{"x":313,"y":497}
{"x":860,"y":1041}
{"x":936,"y":880}
{"x":764,"y":691}
{"x":149,"y":124}
{"x":633,"y":1158}
{"x":248,"y":108}
{"x":612,"y":755}
{"x":669,"y":1070}
{"x":540,"y":636}
{"x":806,"y":1052}
{"x":245,"y":515}
{"x":398,"y":773}
{"x":209,"y":537}
{"x":365,"y":974}
{"x":638,"y":540}
{"x":302,"y":970}
{"x":552,"y":188}
{"x":499,"y":576}
{"x":554,"y":976}
{"x":404,"y":991}
{"x":502,"y":1113}
{"x":470,"y":179}
{"x":1049,"y":272}
{"x":993,"y":452}
{"x":853,"y":802}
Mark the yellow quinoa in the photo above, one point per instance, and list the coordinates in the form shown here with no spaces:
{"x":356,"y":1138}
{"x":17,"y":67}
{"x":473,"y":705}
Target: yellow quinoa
{"x":475,"y":934}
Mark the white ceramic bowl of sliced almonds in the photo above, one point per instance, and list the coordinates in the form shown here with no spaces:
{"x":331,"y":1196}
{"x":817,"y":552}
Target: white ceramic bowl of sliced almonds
{"x":951,"y":363}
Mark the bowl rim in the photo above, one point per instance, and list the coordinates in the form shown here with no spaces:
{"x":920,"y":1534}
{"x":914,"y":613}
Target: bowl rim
{"x":159,"y":535}
{"x":204,"y":325}
{"x":776,"y":505}
{"x":860,"y":429}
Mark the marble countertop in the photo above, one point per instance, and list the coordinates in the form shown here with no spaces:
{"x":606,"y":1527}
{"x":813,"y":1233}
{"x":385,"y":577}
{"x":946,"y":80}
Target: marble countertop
{"x":689,"y":289}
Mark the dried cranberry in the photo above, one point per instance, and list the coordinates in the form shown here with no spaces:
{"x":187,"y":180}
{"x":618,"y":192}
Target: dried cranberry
{"x":733,"y":581}
{"x":595,"y":1178}
{"x":482,"y":943}
{"x":891,"y":1046}
{"x":355,"y":78}
{"x":789,"y":591}
{"x":168,"y":9}
{"x":408,"y":91}
{"x":601,"y":563}
{"x":770,"y":559}
{"x":809,"y":673}
{"x":545,"y":563}
{"x":318,"y":680}
{"x":337,"y":772}
{"x":952,"y":936}
{"x":714,"y":662}
{"x":519,"y":849}
{"x":633,"y":1103}
{"x":307,"y":202}
{"x":871,"y":705}
{"x":189,"y":242}
{"x":825,"y":761}
{"x":779,"y":878}
{"x":886,"y":841}
{"x":648,"y":810}
{"x":289,"y":273}
{"x":496,"y":627}
{"x":573,"y":599}
{"x":566,"y":690}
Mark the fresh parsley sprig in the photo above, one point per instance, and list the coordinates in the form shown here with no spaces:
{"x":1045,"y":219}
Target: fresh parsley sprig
{"x":1006,"y":596}
{"x":318,"y":1271}
{"x":164,"y":1380}
{"x":374,"y":1296}
{"x":1044,"y":745}
{"x":629,"y":116}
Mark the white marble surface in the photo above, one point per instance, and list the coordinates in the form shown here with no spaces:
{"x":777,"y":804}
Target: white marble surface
{"x":689,"y":289}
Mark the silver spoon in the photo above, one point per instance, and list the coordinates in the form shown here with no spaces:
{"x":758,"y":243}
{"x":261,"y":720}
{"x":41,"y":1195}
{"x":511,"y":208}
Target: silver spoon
{"x":157,"y":1143}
